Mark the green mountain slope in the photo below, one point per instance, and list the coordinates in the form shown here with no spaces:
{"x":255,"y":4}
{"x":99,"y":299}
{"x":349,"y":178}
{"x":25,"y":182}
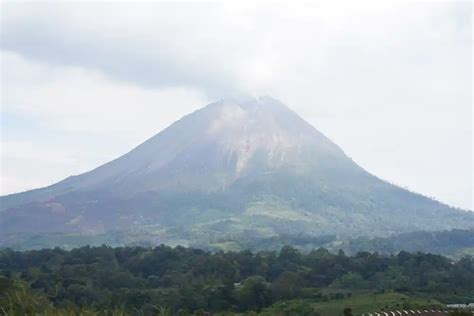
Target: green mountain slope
{"x":233,"y":168}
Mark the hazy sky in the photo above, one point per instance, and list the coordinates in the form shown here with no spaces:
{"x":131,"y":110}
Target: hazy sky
{"x":390,"y":83}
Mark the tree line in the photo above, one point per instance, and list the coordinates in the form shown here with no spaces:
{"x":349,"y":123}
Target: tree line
{"x":185,"y":280}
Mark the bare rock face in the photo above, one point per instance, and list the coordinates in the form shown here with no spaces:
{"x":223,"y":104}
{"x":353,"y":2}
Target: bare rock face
{"x":235,"y":167}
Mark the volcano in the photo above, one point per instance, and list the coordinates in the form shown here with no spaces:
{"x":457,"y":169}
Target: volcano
{"x":233,"y":168}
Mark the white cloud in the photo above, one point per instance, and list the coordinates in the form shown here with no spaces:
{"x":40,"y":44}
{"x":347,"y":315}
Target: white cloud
{"x":76,"y":99}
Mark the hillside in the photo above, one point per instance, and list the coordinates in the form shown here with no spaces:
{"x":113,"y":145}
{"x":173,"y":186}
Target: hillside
{"x":235,"y":168}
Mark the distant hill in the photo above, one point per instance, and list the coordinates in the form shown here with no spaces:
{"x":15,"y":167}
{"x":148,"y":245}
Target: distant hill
{"x":235,"y":168}
{"x":456,"y":243}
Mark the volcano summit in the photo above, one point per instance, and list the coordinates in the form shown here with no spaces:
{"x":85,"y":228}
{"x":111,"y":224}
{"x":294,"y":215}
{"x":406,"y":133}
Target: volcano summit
{"x":230,"y":169}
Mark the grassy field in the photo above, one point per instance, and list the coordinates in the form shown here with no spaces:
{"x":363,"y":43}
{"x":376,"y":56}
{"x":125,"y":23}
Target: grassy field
{"x":360,"y":302}
{"x":368,"y":302}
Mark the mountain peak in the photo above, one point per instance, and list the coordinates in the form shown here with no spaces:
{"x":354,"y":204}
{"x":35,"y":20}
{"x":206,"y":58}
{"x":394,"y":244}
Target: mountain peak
{"x":266,"y":111}
{"x":236,"y":165}
{"x":254,"y":102}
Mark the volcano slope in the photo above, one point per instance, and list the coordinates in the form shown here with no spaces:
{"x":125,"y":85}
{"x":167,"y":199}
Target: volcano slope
{"x":231,"y":169}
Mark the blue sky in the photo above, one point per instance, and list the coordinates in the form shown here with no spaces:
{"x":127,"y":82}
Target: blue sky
{"x":391,"y":82}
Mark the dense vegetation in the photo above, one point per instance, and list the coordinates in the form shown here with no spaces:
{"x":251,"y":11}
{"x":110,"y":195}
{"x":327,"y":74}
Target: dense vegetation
{"x":454,"y":243}
{"x":187,"y":280}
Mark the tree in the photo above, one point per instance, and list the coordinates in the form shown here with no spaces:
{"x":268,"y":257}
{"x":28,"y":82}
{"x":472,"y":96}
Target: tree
{"x":287,"y":286}
{"x":351,"y":280}
{"x":254,"y":294}
{"x":289,"y":254}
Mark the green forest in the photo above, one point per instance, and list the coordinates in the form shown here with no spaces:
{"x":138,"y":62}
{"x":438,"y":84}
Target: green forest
{"x":186,"y":281}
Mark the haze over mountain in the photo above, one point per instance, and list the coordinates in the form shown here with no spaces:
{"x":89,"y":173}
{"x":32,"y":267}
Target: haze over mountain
{"x":234,"y":168}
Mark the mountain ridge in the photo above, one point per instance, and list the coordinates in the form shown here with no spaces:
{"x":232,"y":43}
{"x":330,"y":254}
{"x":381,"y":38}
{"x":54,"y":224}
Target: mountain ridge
{"x":232,"y":167}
